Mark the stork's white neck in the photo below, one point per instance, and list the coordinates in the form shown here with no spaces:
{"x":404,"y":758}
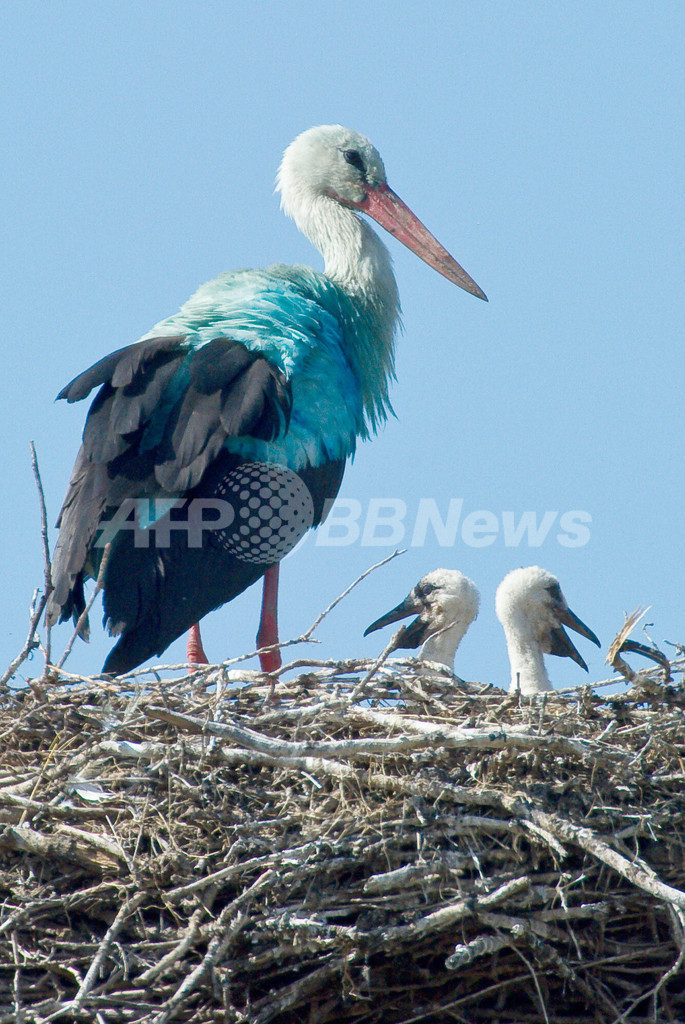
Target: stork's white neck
{"x":355,"y":258}
{"x":528,"y":672}
{"x":359,"y":264}
{"x":442,"y":646}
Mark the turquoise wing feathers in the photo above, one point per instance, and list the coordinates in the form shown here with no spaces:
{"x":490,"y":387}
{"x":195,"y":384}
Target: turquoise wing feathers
{"x":307,"y":327}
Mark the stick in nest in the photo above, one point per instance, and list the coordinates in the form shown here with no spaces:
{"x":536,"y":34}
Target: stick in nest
{"x":81,"y":627}
{"x":37,"y":604}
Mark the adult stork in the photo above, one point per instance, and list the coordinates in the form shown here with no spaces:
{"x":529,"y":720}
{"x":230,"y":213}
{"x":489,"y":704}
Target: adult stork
{"x":533,"y":612}
{"x":216,"y":440}
{"x":445,"y":603}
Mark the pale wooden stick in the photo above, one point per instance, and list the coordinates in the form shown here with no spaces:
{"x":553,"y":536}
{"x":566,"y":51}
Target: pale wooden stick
{"x":37,"y":608}
{"x":46,"y":544}
{"x":129,"y":907}
{"x":83,"y":617}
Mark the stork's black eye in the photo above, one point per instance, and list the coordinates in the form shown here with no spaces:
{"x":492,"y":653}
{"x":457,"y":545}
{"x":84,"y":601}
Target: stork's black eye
{"x":354,"y":158}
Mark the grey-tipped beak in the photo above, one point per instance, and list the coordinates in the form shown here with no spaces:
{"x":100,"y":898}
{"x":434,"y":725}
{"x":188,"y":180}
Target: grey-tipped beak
{"x":410,"y":606}
{"x":561,"y":644}
{"x":570,"y":619}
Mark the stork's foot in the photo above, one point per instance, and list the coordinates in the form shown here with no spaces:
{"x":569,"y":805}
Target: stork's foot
{"x":195,"y":652}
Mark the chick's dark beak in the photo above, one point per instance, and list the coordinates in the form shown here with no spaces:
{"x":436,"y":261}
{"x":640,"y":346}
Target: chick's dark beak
{"x":561,"y":643}
{"x":410,"y":606}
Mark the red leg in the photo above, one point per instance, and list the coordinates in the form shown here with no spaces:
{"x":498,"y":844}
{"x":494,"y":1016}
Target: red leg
{"x":270,"y":661}
{"x":195,"y":652}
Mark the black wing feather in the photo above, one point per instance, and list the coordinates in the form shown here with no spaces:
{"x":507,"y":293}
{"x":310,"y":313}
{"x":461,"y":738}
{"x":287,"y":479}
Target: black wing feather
{"x":136,"y":401}
{"x":217,"y":363}
{"x":80,"y":387}
{"x":117,"y":368}
{"x":251,"y":398}
{"x":246,"y":415}
{"x":136,"y":357}
{"x":197,"y":420}
{"x":225,"y":390}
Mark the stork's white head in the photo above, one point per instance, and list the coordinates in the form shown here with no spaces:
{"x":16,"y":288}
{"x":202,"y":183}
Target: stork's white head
{"x":329,"y":161}
{"x":446,"y":603}
{"x":533,"y":612}
{"x":330,"y":170}
{"x":448,"y":597}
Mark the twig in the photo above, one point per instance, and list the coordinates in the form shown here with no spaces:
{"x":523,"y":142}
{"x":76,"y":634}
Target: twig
{"x":420,"y":736}
{"x":367,"y":572}
{"x":480,"y":738}
{"x":179,"y":951}
{"x":16,"y":982}
{"x":635,"y":871}
{"x":227,"y":930}
{"x":359,"y":691}
{"x":46,"y":544}
{"x":37,"y":607}
{"x":446,"y":916}
{"x":306,"y":637}
{"x":23,"y":839}
{"x":237,"y":756}
{"x":673,"y":970}
{"x":484,"y":945}
{"x":129,"y":907}
{"x":83,"y":617}
{"x":533,"y":974}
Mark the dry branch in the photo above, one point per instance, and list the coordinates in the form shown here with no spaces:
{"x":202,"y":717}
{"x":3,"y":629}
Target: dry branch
{"x":437,"y":852}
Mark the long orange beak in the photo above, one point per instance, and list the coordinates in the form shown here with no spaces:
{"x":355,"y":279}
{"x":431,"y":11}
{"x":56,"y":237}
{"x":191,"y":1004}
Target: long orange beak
{"x":395,"y":216}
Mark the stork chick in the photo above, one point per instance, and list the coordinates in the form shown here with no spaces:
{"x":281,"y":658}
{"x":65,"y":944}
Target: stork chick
{"x":533,"y":612}
{"x":445,"y":603}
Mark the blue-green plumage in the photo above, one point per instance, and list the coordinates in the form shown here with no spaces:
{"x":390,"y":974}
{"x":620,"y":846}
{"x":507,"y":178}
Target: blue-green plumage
{"x":307,"y":326}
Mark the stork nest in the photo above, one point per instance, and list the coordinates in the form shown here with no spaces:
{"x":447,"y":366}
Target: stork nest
{"x":415,"y":849}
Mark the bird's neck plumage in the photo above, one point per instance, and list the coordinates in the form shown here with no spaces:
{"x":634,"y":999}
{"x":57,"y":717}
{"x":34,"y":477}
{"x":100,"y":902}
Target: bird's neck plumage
{"x":442,"y":646}
{"x":358,"y":263}
{"x":355,"y":258}
{"x":528,"y":672}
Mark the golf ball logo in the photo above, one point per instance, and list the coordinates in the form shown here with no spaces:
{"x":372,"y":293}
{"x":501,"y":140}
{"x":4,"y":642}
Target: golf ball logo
{"x":273,"y":509}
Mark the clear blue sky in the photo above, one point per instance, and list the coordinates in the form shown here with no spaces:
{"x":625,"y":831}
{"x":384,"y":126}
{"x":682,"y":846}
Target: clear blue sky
{"x":543,"y":145}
